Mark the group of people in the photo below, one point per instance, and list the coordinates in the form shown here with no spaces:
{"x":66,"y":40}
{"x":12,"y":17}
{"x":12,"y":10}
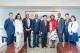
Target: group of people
{"x":40,"y":27}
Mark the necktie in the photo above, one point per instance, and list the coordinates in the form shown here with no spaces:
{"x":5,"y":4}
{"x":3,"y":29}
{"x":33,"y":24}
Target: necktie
{"x":36,"y":20}
{"x":45,"y":22}
{"x":28,"y":22}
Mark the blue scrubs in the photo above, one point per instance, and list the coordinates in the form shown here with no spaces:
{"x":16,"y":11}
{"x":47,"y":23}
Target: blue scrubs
{"x":10,"y":30}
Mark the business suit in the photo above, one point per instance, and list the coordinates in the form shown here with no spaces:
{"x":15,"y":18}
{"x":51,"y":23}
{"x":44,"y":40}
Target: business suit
{"x":10,"y":30}
{"x":36,"y":29}
{"x":44,"y":31}
{"x":27,"y":34}
{"x":60,"y":29}
{"x":66,"y":33}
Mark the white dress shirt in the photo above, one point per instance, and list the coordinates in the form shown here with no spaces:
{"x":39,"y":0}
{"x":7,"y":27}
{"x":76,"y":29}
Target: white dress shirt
{"x":36,"y":20}
{"x":73,"y":27}
{"x":50,"y":26}
{"x":45,"y":22}
{"x":18,"y":26}
{"x":28,"y":22}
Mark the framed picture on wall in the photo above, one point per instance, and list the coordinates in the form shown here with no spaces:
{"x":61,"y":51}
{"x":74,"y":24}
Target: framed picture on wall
{"x":41,"y":13}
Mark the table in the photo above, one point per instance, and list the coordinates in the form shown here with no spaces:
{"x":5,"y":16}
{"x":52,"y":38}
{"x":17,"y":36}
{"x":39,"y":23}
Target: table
{"x":12,"y":49}
{"x":67,"y":48}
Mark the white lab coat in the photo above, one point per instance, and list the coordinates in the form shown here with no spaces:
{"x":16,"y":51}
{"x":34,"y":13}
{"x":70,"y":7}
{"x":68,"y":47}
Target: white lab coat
{"x":74,"y":27}
{"x":18,"y":31}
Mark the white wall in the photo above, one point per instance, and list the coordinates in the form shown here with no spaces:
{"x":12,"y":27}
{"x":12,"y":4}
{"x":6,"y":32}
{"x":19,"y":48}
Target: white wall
{"x":39,"y":2}
{"x":5,"y":10}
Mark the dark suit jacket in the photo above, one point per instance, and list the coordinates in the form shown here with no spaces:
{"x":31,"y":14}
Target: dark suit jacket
{"x":66,"y":26}
{"x":9,"y":26}
{"x":43,"y":28}
{"x":36,"y":26}
{"x":25,"y":25}
{"x":60,"y":25}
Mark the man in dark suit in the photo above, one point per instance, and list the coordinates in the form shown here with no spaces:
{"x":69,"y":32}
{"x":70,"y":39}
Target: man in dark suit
{"x":66,"y":33}
{"x":44,"y":31}
{"x":27,"y":29}
{"x":10,"y":29}
{"x":60,"y":27}
{"x":36,"y":29}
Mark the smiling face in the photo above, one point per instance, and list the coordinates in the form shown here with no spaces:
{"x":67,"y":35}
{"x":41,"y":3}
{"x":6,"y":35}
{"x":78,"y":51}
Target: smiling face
{"x":27,"y":15}
{"x":59,"y":15}
{"x":72,"y":19}
{"x":36,"y":16}
{"x":67,"y":17}
{"x":18,"y":17}
{"x":45,"y":17}
{"x":52,"y":17}
{"x":10,"y":15}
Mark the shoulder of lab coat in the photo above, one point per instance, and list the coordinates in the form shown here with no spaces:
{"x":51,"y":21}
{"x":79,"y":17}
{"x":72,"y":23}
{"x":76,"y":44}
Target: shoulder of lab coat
{"x":74,"y":27}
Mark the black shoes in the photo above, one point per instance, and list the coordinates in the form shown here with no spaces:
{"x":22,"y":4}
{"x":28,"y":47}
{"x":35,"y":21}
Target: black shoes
{"x":35,"y":46}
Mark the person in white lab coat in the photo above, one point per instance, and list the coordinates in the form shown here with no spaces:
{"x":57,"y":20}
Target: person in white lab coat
{"x":73,"y":30}
{"x":18,"y":29}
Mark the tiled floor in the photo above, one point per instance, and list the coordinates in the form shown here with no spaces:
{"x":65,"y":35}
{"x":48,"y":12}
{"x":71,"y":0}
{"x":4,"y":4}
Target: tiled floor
{"x":36,"y":50}
{"x":41,"y":50}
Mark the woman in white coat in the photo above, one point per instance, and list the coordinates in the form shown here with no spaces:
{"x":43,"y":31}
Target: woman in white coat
{"x":73,"y":30}
{"x":18,"y":29}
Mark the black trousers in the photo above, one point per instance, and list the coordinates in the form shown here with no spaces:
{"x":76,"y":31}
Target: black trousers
{"x":35,"y":40}
{"x":44,"y":40}
{"x":27,"y":36}
{"x":60,"y":36}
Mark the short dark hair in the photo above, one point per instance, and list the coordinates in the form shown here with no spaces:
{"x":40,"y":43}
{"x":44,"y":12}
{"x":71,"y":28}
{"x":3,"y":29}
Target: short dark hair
{"x":52,"y":15}
{"x":73,"y":17}
{"x":44,"y":15}
{"x":66,"y":14}
{"x":10,"y":13}
{"x":17,"y":15}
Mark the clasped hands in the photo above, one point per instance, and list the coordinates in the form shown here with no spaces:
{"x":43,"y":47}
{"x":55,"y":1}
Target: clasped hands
{"x":28,"y":29}
{"x":70,"y":33}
